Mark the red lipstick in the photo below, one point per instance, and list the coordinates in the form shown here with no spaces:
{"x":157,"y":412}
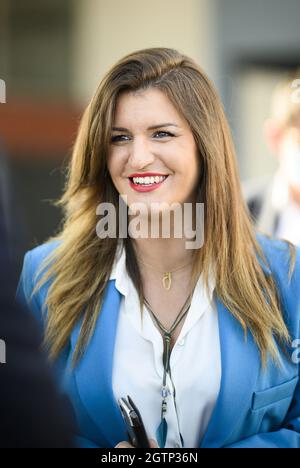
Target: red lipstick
{"x":146,"y":187}
{"x":146,"y":174}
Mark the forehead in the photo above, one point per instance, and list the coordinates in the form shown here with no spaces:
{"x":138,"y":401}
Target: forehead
{"x":146,"y":106}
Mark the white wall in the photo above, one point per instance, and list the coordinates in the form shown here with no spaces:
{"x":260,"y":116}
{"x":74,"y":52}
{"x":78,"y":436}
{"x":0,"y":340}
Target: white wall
{"x":106,"y":30}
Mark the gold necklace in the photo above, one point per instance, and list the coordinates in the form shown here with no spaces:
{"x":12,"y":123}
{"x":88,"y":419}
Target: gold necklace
{"x":167,"y":277}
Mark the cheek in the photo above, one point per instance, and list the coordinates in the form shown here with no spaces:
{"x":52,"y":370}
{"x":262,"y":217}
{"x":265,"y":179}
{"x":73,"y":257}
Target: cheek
{"x":191,"y":167}
{"x":114,"y":164}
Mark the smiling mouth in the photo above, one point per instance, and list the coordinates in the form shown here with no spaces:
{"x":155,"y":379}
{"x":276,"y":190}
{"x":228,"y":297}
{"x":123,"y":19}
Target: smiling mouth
{"x":147,"y":181}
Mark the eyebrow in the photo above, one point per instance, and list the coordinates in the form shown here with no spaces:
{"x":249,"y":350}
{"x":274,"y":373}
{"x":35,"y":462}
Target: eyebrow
{"x":122,"y":129}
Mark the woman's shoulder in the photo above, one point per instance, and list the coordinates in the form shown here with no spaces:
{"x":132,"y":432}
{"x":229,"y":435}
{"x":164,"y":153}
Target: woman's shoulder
{"x":34,"y":258}
{"x":278,"y":253}
{"x":39,"y":253}
{"x":30,"y":275}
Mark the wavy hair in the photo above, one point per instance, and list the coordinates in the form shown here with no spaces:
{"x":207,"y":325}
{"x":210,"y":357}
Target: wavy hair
{"x":80,"y":265}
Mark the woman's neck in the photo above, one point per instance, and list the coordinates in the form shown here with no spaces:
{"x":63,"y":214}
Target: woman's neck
{"x":164,"y":254}
{"x":167,"y":253}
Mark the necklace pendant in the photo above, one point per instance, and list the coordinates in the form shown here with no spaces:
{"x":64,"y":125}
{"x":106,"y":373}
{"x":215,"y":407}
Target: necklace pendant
{"x":164,"y":407}
{"x":167,"y":280}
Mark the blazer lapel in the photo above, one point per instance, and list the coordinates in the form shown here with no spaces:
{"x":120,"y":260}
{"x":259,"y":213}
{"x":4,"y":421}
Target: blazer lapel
{"x":240,"y":363}
{"x":93,"y":374}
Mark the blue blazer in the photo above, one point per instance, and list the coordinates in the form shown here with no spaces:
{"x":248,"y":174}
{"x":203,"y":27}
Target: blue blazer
{"x":254,"y":408}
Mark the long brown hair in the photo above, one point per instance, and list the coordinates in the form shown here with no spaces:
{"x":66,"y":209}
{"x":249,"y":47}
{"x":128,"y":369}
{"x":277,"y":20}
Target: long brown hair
{"x":81,"y":263}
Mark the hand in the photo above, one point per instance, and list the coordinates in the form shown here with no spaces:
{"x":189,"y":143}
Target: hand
{"x":125,"y":444}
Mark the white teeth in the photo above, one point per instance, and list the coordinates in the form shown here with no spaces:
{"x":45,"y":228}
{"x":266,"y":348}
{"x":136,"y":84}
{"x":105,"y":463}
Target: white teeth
{"x":148,"y":180}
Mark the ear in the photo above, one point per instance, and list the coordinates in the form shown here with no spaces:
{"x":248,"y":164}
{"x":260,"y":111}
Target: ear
{"x":273,"y":134}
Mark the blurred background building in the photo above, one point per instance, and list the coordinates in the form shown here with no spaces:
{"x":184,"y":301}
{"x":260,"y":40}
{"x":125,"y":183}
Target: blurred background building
{"x":53,"y":53}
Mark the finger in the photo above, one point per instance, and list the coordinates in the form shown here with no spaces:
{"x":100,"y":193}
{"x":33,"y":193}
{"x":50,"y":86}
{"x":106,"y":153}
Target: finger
{"x":153,"y":443}
{"x":124,"y":444}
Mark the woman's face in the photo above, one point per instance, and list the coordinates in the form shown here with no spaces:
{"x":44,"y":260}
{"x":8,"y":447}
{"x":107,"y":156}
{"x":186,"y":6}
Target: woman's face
{"x":137,"y":150}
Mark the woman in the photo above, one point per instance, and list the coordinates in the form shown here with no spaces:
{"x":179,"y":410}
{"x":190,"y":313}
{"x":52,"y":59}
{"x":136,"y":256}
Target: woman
{"x":202,"y":339}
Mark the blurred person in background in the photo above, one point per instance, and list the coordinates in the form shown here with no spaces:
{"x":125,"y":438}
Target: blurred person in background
{"x":32,"y":413}
{"x":4,"y":189}
{"x":275,"y":202}
{"x":199,"y":338}
{"x":12,"y":216}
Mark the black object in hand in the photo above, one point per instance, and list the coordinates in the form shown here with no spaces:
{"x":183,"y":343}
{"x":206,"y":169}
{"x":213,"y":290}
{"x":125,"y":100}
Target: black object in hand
{"x":134,"y":423}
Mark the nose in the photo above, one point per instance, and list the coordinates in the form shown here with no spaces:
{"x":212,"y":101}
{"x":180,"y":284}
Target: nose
{"x":140,"y":154}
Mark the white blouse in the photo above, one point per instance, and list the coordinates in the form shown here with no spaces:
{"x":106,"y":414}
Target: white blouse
{"x":195,"y":362}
